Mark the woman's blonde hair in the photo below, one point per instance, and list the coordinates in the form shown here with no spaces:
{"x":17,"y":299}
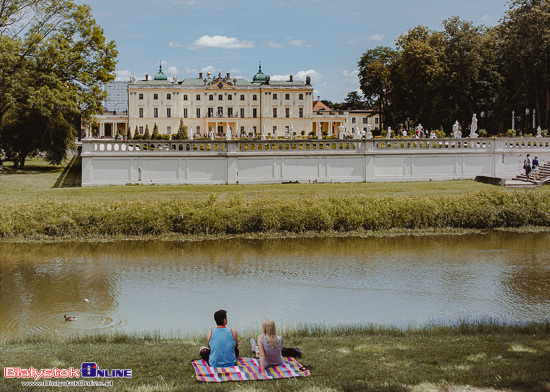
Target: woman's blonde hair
{"x":268,"y":330}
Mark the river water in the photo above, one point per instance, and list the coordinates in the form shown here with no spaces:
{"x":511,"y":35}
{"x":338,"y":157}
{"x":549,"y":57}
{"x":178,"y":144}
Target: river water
{"x":173,"y":288}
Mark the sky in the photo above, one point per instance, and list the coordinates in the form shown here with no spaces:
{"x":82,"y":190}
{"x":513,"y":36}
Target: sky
{"x":320,"y":38}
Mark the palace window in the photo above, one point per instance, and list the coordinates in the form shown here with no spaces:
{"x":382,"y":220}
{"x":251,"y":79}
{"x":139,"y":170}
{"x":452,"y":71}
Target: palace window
{"x":220,"y":111}
{"x":198,"y":97}
{"x":254,"y":113}
{"x":140,"y":96}
{"x":274,"y":112}
{"x":287,"y":96}
{"x":242,"y":129}
{"x":242,"y":113}
{"x":376,"y":120}
{"x":230,"y":97}
{"x":254,"y":97}
{"x":220,"y":97}
{"x":274,"y":96}
{"x":140,"y":112}
{"x":254,"y":129}
{"x":287,"y":112}
{"x":168,"y":112}
{"x":169,"y":130}
{"x":229,"y":112}
{"x":211,"y":97}
{"x":199,"y":130}
{"x":198,"y":112}
{"x":365,"y":120}
{"x":353,"y":120}
{"x":274,"y":129}
{"x":301,"y":96}
{"x":242,"y":97}
{"x":301,"y":110}
{"x":155,"y":112}
{"x":210,"y":112}
{"x":168,"y":96}
{"x":141,"y":130}
{"x":155,"y":96}
{"x":185,"y":112}
{"x":185,"y":97}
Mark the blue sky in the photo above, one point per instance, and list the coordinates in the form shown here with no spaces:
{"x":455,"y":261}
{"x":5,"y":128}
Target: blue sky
{"x":320,"y":38}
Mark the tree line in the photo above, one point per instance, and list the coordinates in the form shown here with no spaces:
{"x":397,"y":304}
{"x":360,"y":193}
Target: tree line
{"x":438,"y":77}
{"x":54,"y":61}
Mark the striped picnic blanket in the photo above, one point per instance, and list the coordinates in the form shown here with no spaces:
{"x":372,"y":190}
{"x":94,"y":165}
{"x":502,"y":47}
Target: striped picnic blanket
{"x":248,"y":369}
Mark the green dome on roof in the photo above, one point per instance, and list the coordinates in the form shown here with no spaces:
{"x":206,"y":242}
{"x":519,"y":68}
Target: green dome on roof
{"x":260,"y":77}
{"x":160,"y":75}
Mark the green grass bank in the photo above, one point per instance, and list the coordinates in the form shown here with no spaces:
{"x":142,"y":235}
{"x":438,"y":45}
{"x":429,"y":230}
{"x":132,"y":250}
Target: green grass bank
{"x":46,"y":202}
{"x":215,"y":216}
{"x":466,"y":357}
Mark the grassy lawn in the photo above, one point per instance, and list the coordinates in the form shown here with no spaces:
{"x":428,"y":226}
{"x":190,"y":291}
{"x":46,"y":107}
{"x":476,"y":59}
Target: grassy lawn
{"x":39,"y":180}
{"x":466,"y":358}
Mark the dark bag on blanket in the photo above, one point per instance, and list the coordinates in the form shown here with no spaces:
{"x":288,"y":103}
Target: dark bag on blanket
{"x":291,"y":352}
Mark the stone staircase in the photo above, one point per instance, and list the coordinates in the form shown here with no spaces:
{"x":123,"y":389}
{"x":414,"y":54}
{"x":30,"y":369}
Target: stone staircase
{"x":521,"y":181}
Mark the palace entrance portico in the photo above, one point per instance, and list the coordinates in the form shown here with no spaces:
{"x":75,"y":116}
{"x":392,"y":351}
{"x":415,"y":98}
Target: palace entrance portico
{"x":219,"y":126}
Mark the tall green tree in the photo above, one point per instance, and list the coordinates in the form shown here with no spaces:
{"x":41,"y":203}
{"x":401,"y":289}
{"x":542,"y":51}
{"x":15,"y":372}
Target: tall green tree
{"x":354,"y":101}
{"x":524,"y":37}
{"x":375,"y":67}
{"x":417,"y":75}
{"x":54,"y":60}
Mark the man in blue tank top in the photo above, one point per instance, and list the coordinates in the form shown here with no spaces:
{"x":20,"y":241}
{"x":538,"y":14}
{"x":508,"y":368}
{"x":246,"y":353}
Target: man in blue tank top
{"x":223,"y":343}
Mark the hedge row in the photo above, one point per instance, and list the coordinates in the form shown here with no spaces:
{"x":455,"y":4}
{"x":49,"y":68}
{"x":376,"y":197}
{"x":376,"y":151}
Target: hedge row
{"x":481,"y":210}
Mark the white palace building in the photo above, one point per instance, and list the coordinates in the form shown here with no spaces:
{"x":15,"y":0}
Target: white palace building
{"x":284,"y":121}
{"x":214,"y":105}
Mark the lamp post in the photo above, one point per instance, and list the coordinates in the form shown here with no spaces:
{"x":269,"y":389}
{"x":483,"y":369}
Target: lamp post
{"x":513,"y":120}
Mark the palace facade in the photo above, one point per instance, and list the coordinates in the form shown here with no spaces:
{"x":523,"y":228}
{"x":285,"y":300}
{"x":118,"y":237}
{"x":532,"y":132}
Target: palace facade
{"x":215,"y":105}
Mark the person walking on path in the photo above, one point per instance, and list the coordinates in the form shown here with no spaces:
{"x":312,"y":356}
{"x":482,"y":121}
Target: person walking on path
{"x":535,"y":168}
{"x":527,"y":165}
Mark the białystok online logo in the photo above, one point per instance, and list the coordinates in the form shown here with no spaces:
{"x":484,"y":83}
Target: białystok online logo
{"x":88,"y":370}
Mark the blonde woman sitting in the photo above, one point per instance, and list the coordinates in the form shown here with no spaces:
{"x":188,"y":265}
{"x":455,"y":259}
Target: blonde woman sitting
{"x":269,"y":347}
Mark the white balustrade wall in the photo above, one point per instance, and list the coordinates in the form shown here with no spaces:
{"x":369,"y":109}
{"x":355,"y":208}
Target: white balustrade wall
{"x":114,"y":162}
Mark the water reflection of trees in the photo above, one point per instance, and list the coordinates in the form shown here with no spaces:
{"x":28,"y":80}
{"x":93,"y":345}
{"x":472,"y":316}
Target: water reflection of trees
{"x":39,"y":278}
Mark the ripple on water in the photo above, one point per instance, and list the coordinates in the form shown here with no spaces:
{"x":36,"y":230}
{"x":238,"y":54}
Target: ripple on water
{"x":55,"y":323}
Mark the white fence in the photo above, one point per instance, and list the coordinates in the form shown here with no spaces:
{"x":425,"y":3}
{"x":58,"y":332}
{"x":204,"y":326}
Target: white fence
{"x":114,"y":162}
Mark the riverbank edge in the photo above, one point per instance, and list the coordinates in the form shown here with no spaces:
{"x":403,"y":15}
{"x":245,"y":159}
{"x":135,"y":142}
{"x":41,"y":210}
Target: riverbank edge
{"x":214,"y":218}
{"x":466,"y":357}
{"x":175,"y":237}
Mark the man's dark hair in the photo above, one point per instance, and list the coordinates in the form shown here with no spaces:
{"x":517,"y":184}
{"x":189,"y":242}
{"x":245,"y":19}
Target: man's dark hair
{"x":220,"y":316}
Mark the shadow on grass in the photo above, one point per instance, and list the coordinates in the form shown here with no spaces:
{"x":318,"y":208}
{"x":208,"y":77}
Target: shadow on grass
{"x":71,"y":176}
{"x":30,"y":168}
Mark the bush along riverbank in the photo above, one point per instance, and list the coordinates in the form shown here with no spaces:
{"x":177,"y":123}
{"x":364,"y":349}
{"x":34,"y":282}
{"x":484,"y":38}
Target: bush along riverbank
{"x":465,"y":357}
{"x":78,"y":220}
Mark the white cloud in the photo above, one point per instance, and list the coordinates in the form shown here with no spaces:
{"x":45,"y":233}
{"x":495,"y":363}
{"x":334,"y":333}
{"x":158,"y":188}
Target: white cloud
{"x":279,"y":78}
{"x":488,"y":19}
{"x":187,"y":3}
{"x":174,"y":44}
{"x":298,"y":42}
{"x":274,"y":45}
{"x":315,"y":76}
{"x":172,"y":71}
{"x":123,"y":75}
{"x":353,"y":42}
{"x":351,"y":77}
{"x":210,"y":69}
{"x":234,"y":71}
{"x":377,"y":37}
{"x":191,"y":70}
{"x":221,"y":42}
